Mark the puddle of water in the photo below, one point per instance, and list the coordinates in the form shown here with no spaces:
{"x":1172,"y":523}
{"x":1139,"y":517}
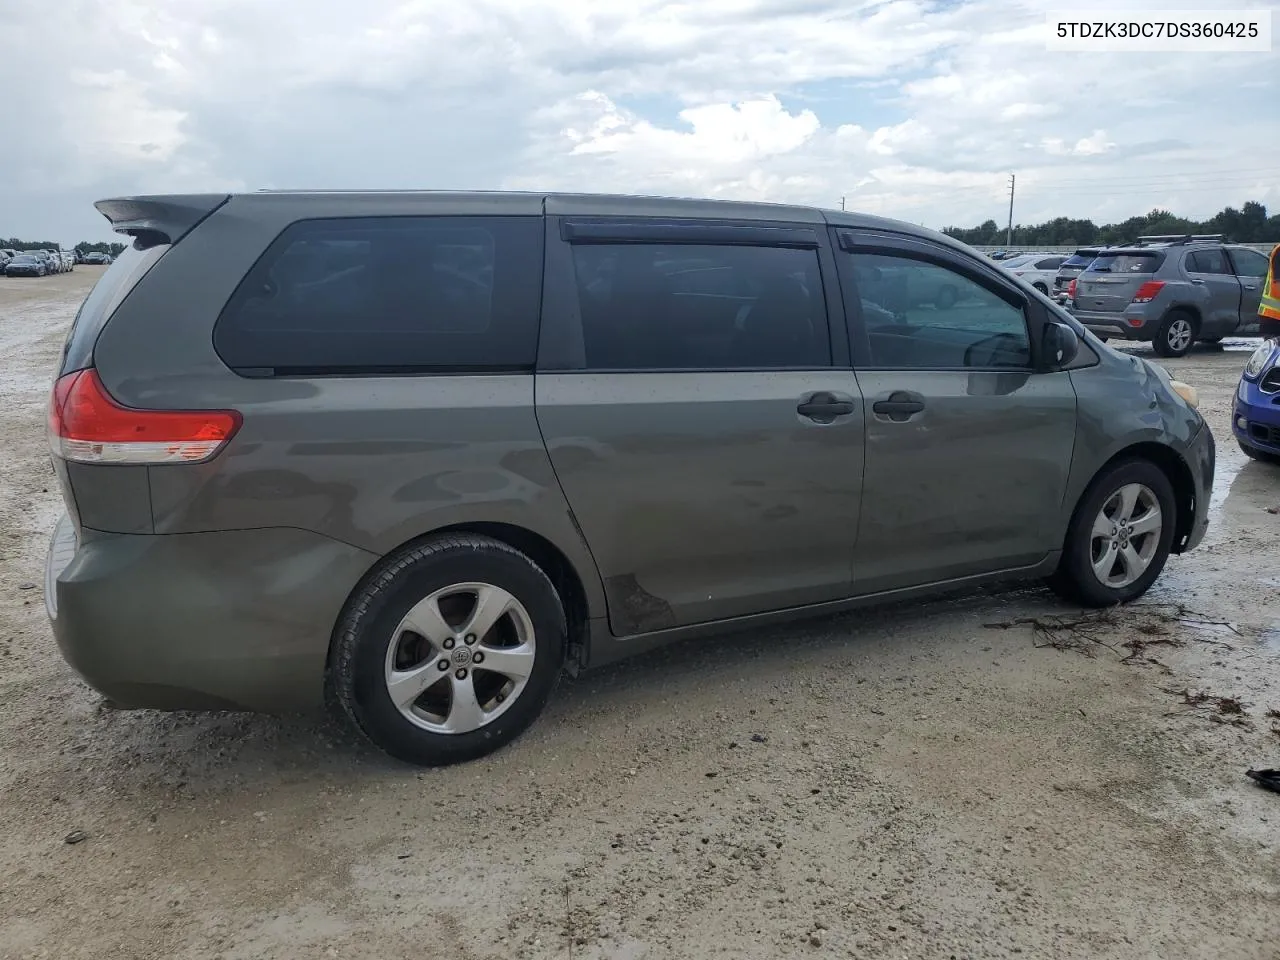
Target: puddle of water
{"x":1270,"y":638}
{"x":1227,"y":468}
{"x":1241,"y":343}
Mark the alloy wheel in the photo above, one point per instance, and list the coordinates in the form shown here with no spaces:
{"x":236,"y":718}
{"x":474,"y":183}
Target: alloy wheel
{"x":1125,"y":536}
{"x":460,"y":658}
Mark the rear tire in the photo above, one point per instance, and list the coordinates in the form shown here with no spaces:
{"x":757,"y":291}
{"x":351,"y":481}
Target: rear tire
{"x":406,"y":665}
{"x":1112,"y":553}
{"x":1041,"y":287}
{"x":1262,"y":456}
{"x":1175,"y":335}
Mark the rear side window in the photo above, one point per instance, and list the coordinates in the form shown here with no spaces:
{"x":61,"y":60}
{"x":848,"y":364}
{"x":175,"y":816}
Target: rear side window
{"x":701,"y":307}
{"x":1208,"y":261}
{"x":1127,"y":263}
{"x":389,"y":294}
{"x":1051,"y":263}
{"x":112,"y":287}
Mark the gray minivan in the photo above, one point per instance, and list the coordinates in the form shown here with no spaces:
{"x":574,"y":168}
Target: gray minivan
{"x":421,"y":452}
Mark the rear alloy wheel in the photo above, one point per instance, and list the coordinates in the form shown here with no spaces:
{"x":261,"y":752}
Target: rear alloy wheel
{"x":451,"y":651}
{"x":1119,"y":537}
{"x":1175,"y":335}
{"x":1041,"y":287}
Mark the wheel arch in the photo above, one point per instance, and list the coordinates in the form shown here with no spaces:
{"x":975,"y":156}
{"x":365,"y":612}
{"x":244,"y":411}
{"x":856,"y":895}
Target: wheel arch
{"x":550,"y":558}
{"x":1173,"y":466}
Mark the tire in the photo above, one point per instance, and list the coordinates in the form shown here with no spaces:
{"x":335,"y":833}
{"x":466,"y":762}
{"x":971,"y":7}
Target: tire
{"x":373,"y":642}
{"x":1175,"y":335}
{"x":1041,"y":287}
{"x":1075,"y":579}
{"x":1262,"y":456}
{"x":945,"y":298}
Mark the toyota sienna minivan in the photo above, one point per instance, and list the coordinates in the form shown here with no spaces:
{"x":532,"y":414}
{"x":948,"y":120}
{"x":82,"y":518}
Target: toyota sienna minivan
{"x":416,"y":454}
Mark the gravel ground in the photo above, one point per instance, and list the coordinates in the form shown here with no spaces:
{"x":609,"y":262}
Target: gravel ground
{"x":900,"y":783}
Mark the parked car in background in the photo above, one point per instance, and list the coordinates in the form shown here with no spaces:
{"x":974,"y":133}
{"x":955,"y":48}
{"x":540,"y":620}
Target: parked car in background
{"x":722,"y":435}
{"x":1255,"y":415}
{"x":68,"y":260}
{"x":96,"y":259}
{"x":1172,"y":292}
{"x":1038,"y":269}
{"x":26,"y":265}
{"x":4,"y":261}
{"x":46,"y":258}
{"x":1072,"y":268}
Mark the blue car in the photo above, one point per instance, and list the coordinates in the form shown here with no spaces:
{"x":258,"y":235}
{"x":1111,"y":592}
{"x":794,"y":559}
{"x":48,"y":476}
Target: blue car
{"x":1255,"y":416}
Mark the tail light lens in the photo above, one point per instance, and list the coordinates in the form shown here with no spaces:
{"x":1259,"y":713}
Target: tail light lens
{"x":88,"y":426}
{"x":1147,"y":292}
{"x":1071,"y":289}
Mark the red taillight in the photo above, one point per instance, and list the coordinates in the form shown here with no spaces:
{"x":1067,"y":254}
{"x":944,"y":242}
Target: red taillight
{"x":87,"y":425}
{"x":1147,"y":292}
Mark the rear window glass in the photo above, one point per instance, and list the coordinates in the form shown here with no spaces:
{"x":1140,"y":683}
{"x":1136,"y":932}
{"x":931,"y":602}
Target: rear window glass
{"x":112,"y":287}
{"x":1080,"y":259}
{"x":389,"y":294}
{"x":1127,"y":263}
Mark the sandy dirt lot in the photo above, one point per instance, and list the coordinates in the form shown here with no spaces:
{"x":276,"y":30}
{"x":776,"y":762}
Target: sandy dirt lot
{"x":901,"y":783}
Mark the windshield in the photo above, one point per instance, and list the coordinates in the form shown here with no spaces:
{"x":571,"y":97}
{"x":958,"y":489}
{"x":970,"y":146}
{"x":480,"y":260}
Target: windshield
{"x":1127,"y":263}
{"x":24,"y":259}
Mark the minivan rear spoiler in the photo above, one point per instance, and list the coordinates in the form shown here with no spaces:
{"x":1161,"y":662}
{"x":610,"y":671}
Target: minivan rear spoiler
{"x":162,"y":219}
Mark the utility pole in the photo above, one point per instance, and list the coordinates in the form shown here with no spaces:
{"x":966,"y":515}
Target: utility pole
{"x":1008,"y":238}
{"x":842,"y":202}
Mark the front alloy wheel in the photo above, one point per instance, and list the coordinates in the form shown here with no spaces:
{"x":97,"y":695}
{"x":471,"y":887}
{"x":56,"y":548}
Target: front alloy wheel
{"x":1119,"y":537}
{"x":1125,"y":536}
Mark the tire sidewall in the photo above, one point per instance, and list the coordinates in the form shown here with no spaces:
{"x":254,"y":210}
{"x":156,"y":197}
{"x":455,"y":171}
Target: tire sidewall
{"x":1078,"y":549}
{"x":1161,"y":343}
{"x":385,"y":602}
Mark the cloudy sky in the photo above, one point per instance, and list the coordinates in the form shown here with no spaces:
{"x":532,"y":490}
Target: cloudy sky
{"x":917,"y":109}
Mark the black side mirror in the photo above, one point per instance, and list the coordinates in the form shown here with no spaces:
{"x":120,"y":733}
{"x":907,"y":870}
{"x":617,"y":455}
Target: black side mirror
{"x":1061,"y":345}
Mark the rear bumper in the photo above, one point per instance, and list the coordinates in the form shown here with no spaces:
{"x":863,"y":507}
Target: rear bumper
{"x":237,"y":620}
{"x":1255,"y":417}
{"x":1111,"y":325}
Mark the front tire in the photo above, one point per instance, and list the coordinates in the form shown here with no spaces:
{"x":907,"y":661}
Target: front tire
{"x":1175,"y":335}
{"x":1119,"y":537}
{"x":450,"y":650}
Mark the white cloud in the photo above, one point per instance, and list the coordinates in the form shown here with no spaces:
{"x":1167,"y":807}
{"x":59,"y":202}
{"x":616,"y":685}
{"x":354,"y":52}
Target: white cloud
{"x":913,"y":108}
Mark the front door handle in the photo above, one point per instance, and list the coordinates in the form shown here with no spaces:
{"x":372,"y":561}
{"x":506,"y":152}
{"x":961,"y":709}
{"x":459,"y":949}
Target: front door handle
{"x":901,"y":406}
{"x":1251,"y":286}
{"x":824,"y":407}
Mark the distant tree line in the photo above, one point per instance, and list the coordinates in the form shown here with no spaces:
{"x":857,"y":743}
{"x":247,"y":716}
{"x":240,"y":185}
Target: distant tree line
{"x":13,"y":243}
{"x":1249,"y":224}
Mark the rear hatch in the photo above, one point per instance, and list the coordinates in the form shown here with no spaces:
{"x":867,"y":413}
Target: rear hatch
{"x":1111,"y":280}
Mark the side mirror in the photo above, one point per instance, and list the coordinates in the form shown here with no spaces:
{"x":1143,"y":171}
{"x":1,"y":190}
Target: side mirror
{"x":1061,"y":345}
